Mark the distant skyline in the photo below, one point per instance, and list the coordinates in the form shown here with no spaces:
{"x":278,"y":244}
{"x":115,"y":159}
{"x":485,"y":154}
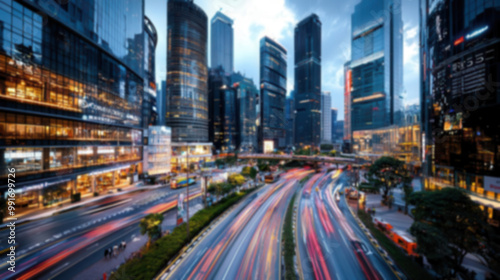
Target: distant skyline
{"x":277,"y":19}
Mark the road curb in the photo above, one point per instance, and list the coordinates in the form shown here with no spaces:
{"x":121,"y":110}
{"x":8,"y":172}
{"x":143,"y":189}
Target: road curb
{"x":188,"y":248}
{"x":385,"y":256}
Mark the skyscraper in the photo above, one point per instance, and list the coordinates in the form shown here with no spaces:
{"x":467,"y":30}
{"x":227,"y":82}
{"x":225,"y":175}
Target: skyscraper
{"x":150,"y":96}
{"x":326,"y":117}
{"x":290,"y":119}
{"x":71,"y":98}
{"x":221,"y":42}
{"x":334,"y":124}
{"x":308,"y":81}
{"x":347,"y":103}
{"x":222,"y":111}
{"x":376,"y":64}
{"x":272,"y":94}
{"x":187,"y":104}
{"x":246,"y":112}
{"x":460,"y":98}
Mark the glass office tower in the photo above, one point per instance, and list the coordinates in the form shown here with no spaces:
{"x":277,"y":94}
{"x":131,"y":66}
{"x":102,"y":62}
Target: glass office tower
{"x":222,"y":111}
{"x":461,"y":98}
{"x":290,"y":119}
{"x":246,"y":112}
{"x":150,"y":96}
{"x":71,"y":97}
{"x":308,"y":82}
{"x":272,"y":94}
{"x":221,"y":42}
{"x":187,"y":104}
{"x":326,"y":117}
{"x":334,"y":123}
{"x":376,"y":66}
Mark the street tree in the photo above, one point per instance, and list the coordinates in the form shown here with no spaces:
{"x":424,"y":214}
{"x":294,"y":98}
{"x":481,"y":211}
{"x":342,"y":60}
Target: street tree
{"x":448,"y":225}
{"x":408,"y":190}
{"x":151,"y":224}
{"x":236,"y":180}
{"x":386,"y":173}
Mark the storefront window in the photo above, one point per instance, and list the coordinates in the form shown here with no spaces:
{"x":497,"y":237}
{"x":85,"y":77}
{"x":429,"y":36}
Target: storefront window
{"x":61,"y":158}
{"x":24,"y":159}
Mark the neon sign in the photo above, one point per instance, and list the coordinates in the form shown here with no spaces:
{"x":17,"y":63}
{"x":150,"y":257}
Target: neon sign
{"x":476,"y":33}
{"x":459,"y":41}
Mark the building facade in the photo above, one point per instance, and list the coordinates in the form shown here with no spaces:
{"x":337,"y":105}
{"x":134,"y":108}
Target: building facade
{"x":71,"y":98}
{"x":159,"y":151}
{"x":334,"y":114}
{"x":187,"y":103}
{"x":272,"y":94}
{"x":347,"y":104}
{"x":376,"y":66}
{"x":461,"y":98}
{"x":290,"y":119}
{"x":246,"y":112}
{"x":150,"y":96}
{"x":308,"y":82}
{"x":223,"y":130}
{"x":326,"y":117}
{"x":221,"y":42}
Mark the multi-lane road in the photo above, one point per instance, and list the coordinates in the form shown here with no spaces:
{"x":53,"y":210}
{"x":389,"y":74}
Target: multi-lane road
{"x":60,"y":246}
{"x":330,"y":243}
{"x":244,"y":243}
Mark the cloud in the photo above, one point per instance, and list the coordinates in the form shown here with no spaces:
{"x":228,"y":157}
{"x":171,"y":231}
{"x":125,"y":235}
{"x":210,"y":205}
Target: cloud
{"x":411,"y":64}
{"x":252,"y":21}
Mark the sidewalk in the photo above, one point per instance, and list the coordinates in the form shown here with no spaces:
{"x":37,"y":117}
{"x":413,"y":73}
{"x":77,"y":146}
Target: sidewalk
{"x":403,"y":222}
{"x":134,"y":244}
{"x":36,"y":214}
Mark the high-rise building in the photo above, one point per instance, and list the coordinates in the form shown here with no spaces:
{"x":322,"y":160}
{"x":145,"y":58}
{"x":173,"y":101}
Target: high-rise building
{"x":326,"y":117}
{"x":460,"y":98}
{"x":376,"y":66}
{"x":71,"y":98}
{"x":347,"y":103}
{"x":339,"y":129}
{"x":161,"y":102}
{"x":246,"y":112}
{"x":222,"y":111}
{"x":187,"y":104}
{"x":221,"y":42}
{"x":272,"y":94}
{"x":290,"y":119}
{"x":334,"y":124}
{"x":150,"y":96}
{"x":308,"y":81}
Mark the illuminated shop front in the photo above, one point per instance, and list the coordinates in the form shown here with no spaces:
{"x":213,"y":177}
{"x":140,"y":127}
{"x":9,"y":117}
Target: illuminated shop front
{"x":460,"y":77}
{"x":71,"y":99}
{"x":194,"y":153}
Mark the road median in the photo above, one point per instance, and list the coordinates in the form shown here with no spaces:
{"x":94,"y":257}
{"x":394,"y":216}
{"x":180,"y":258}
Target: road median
{"x":152,"y":260}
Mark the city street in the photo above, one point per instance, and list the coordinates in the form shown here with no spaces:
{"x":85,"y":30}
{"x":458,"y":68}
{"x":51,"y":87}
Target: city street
{"x":330,"y":243}
{"x":51,"y":246}
{"x":246,"y":242}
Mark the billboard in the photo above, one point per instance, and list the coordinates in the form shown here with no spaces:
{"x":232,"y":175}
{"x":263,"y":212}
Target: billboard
{"x":268,"y":146}
{"x":492,"y":184}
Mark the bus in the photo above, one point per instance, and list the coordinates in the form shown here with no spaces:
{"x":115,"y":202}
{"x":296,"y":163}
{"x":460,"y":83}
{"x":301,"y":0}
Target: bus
{"x":181,"y":183}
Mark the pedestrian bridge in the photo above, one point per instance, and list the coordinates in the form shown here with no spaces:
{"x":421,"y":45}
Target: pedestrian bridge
{"x":338,"y":160}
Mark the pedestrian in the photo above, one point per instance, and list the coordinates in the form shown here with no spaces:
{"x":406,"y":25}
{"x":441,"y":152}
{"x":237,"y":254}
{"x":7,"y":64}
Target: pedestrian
{"x":110,"y":252}
{"x":115,"y":250}
{"x":124,"y":244}
{"x":106,"y":253}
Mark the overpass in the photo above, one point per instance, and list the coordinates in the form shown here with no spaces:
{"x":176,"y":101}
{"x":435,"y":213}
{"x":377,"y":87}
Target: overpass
{"x":338,"y":160}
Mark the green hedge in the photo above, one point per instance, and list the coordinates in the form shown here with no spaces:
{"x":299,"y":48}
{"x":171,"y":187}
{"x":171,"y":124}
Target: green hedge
{"x":289,"y":244}
{"x":154,"y":259}
{"x":410,"y":268}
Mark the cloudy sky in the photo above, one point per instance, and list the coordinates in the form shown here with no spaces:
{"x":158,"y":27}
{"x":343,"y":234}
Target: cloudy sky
{"x":254,"y":19}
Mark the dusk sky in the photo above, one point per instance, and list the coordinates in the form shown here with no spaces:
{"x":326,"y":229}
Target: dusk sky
{"x":277,"y":19}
